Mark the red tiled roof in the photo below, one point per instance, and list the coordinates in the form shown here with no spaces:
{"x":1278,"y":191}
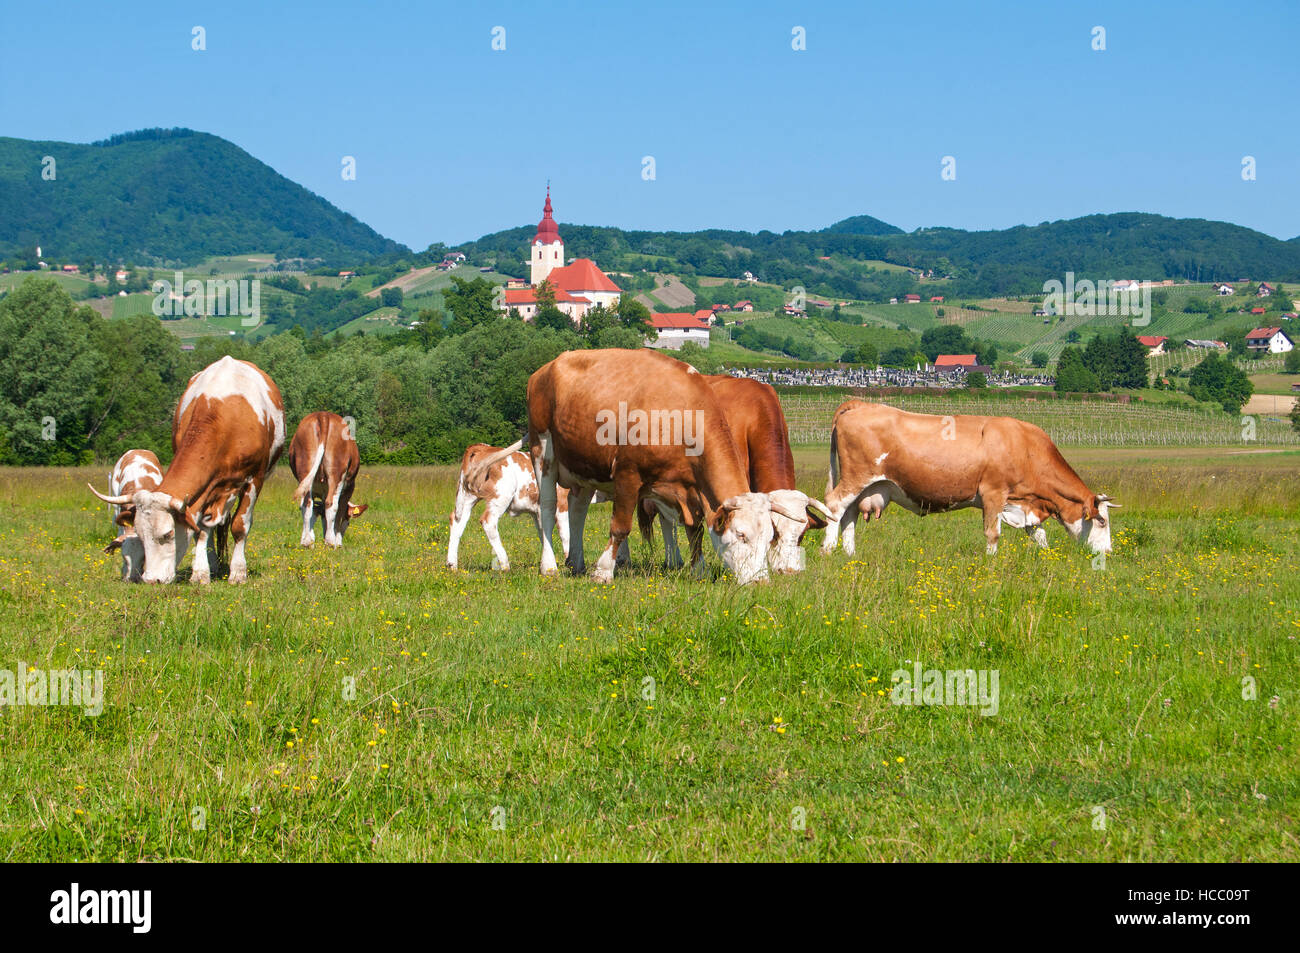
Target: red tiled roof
{"x":582,"y":275}
{"x":1257,"y":311}
{"x":677,"y":320}
{"x":518,"y":296}
{"x":703,"y":315}
{"x":1147,"y":340}
{"x":1264,"y":333}
{"x":955,"y":360}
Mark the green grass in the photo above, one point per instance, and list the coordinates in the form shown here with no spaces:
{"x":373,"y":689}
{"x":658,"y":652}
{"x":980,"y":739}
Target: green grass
{"x":477,"y":691}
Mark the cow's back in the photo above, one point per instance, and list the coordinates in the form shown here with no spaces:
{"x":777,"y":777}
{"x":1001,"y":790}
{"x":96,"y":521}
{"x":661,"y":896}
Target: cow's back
{"x":758,"y":426}
{"x":235,"y":411}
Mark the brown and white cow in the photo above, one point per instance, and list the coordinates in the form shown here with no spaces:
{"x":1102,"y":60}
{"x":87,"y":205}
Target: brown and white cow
{"x":135,"y":470}
{"x":638,"y":426}
{"x":504,"y":480}
{"x":926,"y":463}
{"x":758,"y":426}
{"x":324,"y":459}
{"x":227,"y":433}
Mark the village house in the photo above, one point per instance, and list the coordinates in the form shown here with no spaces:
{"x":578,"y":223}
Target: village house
{"x":1206,"y":345}
{"x":912,"y":299}
{"x":745,"y":305}
{"x":1269,"y":340}
{"x":1154,"y":345}
{"x":1265,"y":290}
{"x":677,"y":328}
{"x":1223,"y":290}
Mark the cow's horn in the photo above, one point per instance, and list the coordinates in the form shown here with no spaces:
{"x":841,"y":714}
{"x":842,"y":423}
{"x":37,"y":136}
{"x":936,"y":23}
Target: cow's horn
{"x":115,"y":500}
{"x":819,"y":507}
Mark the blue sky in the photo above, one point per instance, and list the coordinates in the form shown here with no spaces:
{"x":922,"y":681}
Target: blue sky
{"x":454,"y":140}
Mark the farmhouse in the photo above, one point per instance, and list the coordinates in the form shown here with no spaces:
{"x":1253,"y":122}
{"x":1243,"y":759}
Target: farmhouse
{"x":677,"y":328}
{"x":704,"y":315}
{"x":1265,"y":290}
{"x":1257,"y":311}
{"x":579,"y":286}
{"x":121,"y":276}
{"x":912,"y":299}
{"x":936,"y":299}
{"x":966,"y":361}
{"x":745,"y":305}
{"x":1207,"y":345}
{"x":1223,"y":290}
{"x":1154,"y":345}
{"x":71,"y":269}
{"x":1269,"y":340}
{"x":793,"y":312}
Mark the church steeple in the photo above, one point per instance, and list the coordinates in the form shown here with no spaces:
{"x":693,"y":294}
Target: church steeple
{"x":548,"y":247}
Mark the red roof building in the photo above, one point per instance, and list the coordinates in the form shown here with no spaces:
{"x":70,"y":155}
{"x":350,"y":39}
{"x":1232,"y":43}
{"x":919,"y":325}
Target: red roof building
{"x":955,"y":360}
{"x":912,"y":299}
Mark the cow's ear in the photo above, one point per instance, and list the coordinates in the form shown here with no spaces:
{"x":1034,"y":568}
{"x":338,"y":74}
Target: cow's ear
{"x":114,"y":545}
{"x":126,"y":517}
{"x":720,"y":520}
{"x":818,"y":514}
{"x":356,"y":509}
{"x":178,"y":507}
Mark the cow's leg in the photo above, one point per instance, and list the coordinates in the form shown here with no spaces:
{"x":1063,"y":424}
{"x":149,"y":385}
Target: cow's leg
{"x":672,"y":555}
{"x":695,"y":540}
{"x":239,"y":528}
{"x":460,"y":515}
{"x":544,"y":467}
{"x":308,"y":521}
{"x":565,"y":528}
{"x":491,"y":515}
{"x":992,"y":523}
{"x":626,"y":492}
{"x":579,"y":502}
{"x":840,"y":503}
{"x":199,"y":572}
{"x":333,"y":491}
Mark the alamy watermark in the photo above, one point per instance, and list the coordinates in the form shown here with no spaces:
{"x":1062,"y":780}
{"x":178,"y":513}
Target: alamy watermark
{"x":1088,"y":298}
{"x":642,"y":428}
{"x":217,"y":297}
{"x":27,"y":685}
{"x":952,"y":687}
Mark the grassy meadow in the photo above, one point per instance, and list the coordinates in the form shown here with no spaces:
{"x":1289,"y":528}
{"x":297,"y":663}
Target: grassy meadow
{"x":501,"y":716}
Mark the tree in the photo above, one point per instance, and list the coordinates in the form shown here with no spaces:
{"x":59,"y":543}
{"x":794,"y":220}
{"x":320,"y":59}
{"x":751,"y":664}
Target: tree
{"x":976,"y":380}
{"x":1292,"y":365}
{"x":391,"y":297}
{"x":633,"y":314}
{"x":1039,"y":359}
{"x":1219,"y":380}
{"x":1073,"y":376}
{"x":548,"y":313}
{"x":471,"y":303}
{"x":49,"y":369}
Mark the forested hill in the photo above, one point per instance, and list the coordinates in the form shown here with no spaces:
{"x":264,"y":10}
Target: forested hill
{"x":163,"y":196}
{"x":845,"y":259}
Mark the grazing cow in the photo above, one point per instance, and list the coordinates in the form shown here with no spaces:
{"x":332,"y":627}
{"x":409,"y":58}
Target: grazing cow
{"x":324,"y":459}
{"x":758,"y":426}
{"x":638,"y":426}
{"x":227,"y":433}
{"x":925,"y":463}
{"x":504,"y":480}
{"x":135,"y":470}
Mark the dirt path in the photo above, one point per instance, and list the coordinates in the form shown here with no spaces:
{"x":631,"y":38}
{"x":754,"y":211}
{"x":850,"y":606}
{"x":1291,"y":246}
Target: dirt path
{"x":404,"y":282}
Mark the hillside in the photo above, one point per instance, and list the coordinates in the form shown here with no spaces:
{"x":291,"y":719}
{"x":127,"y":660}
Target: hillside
{"x":164,"y":196}
{"x":860,"y":257}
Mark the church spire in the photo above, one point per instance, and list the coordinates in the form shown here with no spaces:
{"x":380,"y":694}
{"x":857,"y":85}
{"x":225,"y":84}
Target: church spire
{"x":547,"y":231}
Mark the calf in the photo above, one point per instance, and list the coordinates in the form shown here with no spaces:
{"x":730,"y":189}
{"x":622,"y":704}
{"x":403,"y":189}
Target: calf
{"x":227,"y":433}
{"x":135,"y":470}
{"x":1008,"y":468}
{"x":324,"y":459}
{"x":504,"y":480}
{"x":638,"y":426}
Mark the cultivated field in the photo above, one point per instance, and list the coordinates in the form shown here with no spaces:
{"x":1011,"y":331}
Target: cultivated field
{"x":501,"y":716}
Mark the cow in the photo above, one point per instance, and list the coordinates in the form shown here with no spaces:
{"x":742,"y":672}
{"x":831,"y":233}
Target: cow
{"x":135,"y":470}
{"x":324,"y":459}
{"x":227,"y":433}
{"x":504,"y":480}
{"x":641,"y":426}
{"x":1008,"y":468}
{"x":758,"y":426}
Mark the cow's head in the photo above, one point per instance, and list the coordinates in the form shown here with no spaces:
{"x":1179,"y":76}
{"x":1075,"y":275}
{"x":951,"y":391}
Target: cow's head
{"x":742,"y":533}
{"x":793,"y":514}
{"x":132,"y":555}
{"x":161,"y":524}
{"x":1093,"y":526}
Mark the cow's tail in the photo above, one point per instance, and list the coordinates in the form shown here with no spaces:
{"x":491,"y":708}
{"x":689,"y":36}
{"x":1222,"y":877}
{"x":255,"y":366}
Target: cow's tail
{"x":834,"y":477}
{"x":474,"y":477}
{"x":304,"y":485}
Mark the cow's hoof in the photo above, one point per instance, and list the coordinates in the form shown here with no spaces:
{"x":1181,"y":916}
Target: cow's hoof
{"x":602,"y":577}
{"x":238,"y":576}
{"x":201,"y":578}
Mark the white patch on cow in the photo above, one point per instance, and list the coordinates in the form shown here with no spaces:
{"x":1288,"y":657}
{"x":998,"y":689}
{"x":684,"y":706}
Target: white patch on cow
{"x":744,"y":542}
{"x":789,"y":521}
{"x":690,"y":369}
{"x":1017,"y":517}
{"x":881,"y":459}
{"x":231,"y":378}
